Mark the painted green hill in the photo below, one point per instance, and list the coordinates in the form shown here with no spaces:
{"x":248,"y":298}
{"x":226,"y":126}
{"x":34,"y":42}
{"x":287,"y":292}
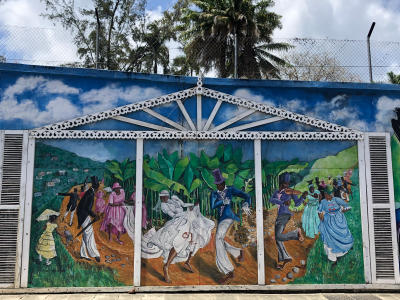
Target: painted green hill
{"x":330,"y":165}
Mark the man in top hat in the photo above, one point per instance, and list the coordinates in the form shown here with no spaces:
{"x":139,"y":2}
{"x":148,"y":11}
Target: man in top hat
{"x":337,"y":189}
{"x":284,"y":200}
{"x":73,"y":201}
{"x":84,"y":212}
{"x":221,"y":199}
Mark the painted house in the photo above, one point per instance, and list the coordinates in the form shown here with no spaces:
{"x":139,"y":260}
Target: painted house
{"x":62,"y":172}
{"x":49,"y":172}
{"x":56,"y":180}
{"x":54,"y":158}
{"x":71,"y":180}
{"x":75,"y":169}
{"x":37,"y":194}
{"x":39,"y":177}
{"x":41,"y":173}
{"x":275,"y":167}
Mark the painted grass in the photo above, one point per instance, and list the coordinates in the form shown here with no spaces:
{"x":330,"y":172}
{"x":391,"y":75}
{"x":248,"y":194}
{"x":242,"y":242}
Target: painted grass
{"x":63,"y":271}
{"x":350,"y":268}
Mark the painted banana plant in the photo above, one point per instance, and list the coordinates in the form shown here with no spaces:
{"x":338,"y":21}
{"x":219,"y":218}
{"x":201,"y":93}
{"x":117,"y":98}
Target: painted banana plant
{"x":191,"y":177}
{"x":124,"y":173}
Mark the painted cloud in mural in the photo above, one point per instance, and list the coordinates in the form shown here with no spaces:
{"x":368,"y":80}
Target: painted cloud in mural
{"x":40,"y":101}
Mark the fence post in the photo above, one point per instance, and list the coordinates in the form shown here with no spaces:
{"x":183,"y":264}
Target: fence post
{"x":369,"y":51}
{"x":97,"y":40}
{"x":236,"y":55}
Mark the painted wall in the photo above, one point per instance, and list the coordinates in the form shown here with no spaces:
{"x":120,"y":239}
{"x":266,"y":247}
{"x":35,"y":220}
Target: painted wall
{"x":35,"y":96}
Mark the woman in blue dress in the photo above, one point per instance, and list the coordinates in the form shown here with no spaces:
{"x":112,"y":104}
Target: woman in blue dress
{"x":310,"y":220}
{"x":335,"y":233}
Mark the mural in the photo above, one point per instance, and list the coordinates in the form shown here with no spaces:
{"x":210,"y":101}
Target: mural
{"x":312,"y":216}
{"x":198,"y":219}
{"x":83,"y":216}
{"x":202,"y":212}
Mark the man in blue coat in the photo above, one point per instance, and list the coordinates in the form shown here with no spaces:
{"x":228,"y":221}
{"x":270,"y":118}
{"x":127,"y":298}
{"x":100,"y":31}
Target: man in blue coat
{"x":221,"y":199}
{"x":283,"y":201}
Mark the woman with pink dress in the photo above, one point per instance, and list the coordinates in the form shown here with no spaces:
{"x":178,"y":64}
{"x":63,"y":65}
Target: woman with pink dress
{"x":144,"y":208}
{"x":115,"y":214}
{"x":100,"y":204}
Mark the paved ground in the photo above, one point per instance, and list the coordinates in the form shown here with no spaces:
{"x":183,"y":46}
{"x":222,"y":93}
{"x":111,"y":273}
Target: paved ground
{"x":217,"y":296}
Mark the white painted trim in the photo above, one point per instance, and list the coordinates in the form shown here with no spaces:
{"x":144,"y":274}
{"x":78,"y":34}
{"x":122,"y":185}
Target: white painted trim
{"x":138,"y":213}
{"x":186,"y":115}
{"x":141,"y":123}
{"x":9,"y":206}
{"x":392,"y":208}
{"x":256,"y":123}
{"x":14,"y":131}
{"x":199,"y":113}
{"x":364,"y":210}
{"x":234,"y":120}
{"x":259,"y":212}
{"x":2,"y":133}
{"x":22,"y":199}
{"x":28,"y":213}
{"x":193,"y":135}
{"x":212,"y":116}
{"x":165,"y":119}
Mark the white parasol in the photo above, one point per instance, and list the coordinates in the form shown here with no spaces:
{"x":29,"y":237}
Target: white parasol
{"x":46,"y":214}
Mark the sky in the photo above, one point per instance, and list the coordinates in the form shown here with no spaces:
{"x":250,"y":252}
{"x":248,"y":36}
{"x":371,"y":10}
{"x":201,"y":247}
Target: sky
{"x":320,"y":19}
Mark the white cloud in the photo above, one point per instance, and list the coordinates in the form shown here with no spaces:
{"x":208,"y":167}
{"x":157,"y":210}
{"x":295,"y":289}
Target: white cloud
{"x":57,"y":110}
{"x":30,"y":83}
{"x":97,"y":100}
{"x":385,"y":113}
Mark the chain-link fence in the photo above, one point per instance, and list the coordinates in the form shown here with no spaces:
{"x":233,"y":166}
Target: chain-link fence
{"x":292,"y":59}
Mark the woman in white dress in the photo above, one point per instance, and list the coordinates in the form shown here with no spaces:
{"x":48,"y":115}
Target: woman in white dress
{"x":184,"y":235}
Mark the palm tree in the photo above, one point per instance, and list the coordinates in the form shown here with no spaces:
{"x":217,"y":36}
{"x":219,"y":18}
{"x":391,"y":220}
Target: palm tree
{"x":209,"y":27}
{"x":156,"y":52}
{"x":393,"y":78}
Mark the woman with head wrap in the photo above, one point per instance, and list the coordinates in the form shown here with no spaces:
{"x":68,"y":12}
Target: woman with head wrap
{"x":310,"y":219}
{"x":335,"y":233}
{"x":180,"y":238}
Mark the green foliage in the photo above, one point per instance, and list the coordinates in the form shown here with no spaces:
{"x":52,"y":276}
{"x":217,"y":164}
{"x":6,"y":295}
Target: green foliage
{"x":64,"y":271}
{"x":350,"y":268}
{"x":393,"y":78}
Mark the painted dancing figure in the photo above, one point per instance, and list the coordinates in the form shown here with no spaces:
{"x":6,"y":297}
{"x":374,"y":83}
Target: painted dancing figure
{"x":284,"y":200}
{"x":221,"y":199}
{"x":73,"y":201}
{"x":84,"y":212}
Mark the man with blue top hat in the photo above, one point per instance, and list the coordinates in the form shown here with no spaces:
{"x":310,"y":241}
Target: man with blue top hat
{"x":221,"y":199}
{"x":283,"y":199}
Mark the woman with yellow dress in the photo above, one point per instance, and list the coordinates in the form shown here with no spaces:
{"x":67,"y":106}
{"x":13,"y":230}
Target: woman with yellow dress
{"x":46,"y":246}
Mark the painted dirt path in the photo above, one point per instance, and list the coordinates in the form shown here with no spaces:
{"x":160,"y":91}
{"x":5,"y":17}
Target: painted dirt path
{"x":120,"y":258}
{"x":297,"y":250}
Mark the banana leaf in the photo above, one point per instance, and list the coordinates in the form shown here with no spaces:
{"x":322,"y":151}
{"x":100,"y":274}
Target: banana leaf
{"x":154,"y":165}
{"x":230,"y":178}
{"x":238,"y":155}
{"x":228,"y":153}
{"x":160,"y":178}
{"x":119,"y":177}
{"x":154,"y":186}
{"x":180,"y":168}
{"x":204,"y":159}
{"x":174,"y":158}
{"x":165,"y":154}
{"x":166,"y":167}
{"x":220,"y":152}
{"x":231,"y":169}
{"x":195,"y":184}
{"x":294,"y":168}
{"x":188,"y":177}
{"x":239,"y":183}
{"x":130,"y":171}
{"x":123,"y":165}
{"x":209,"y":179}
{"x":214,"y":163}
{"x":248,"y":164}
{"x":194,"y":160}
{"x":244,"y":173}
